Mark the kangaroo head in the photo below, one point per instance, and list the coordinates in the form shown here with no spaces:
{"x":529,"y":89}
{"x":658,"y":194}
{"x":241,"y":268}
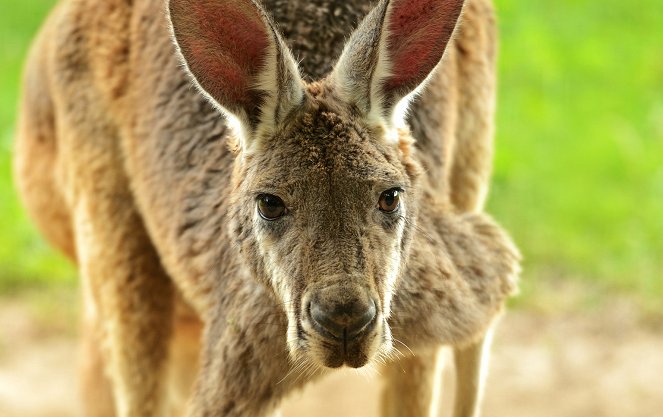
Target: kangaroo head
{"x":325,"y":193}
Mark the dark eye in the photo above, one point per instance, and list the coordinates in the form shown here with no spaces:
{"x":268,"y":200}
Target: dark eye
{"x":270,"y":207}
{"x":389,"y":200}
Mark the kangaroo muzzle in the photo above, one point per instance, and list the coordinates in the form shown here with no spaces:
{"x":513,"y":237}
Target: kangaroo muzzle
{"x":340,"y":315}
{"x":344,"y":320}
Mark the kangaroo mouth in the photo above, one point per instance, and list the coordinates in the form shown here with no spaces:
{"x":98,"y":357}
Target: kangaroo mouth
{"x":353,"y":354}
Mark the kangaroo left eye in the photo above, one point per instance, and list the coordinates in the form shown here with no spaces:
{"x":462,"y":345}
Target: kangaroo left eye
{"x":270,"y":207}
{"x":389,"y":200}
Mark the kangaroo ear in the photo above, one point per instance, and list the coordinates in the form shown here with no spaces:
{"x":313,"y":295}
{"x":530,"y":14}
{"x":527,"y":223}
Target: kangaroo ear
{"x":393,"y":51}
{"x":239,"y":61}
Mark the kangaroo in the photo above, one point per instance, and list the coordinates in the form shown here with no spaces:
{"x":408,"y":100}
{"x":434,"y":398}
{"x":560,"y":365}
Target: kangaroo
{"x":251,"y":206}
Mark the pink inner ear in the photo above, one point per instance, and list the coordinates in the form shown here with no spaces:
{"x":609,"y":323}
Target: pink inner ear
{"x":418,"y":34}
{"x":225,"y":44}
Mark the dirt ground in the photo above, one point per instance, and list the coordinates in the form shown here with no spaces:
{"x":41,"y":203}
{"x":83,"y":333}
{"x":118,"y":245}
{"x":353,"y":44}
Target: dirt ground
{"x":599,"y":365}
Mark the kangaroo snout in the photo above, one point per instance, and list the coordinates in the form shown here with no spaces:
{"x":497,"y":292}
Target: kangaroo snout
{"x":342,"y":324}
{"x":341,"y":313}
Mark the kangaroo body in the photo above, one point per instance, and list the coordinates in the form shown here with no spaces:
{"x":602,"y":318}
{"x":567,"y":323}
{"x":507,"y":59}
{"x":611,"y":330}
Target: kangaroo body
{"x":134,"y":174}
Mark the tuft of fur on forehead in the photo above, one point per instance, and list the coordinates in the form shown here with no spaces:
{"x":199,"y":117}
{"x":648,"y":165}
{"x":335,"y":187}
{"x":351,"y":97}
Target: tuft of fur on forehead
{"x":328,"y":135}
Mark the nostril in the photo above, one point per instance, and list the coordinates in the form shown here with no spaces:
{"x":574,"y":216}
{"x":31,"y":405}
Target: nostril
{"x":362,"y":320}
{"x":344,"y":321}
{"x":324,"y":321}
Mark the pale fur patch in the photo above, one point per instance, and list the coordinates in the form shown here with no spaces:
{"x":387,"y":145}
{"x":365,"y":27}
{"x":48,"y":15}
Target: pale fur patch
{"x":382,"y":71}
{"x":442,"y":356}
{"x":88,"y":250}
{"x":84,"y":250}
{"x":394,"y":266}
{"x":485,"y":360}
{"x":290,"y":95}
{"x":279,"y":280}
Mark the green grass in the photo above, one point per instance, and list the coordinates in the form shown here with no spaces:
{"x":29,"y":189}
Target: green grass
{"x":578,"y":172}
{"x":25,"y":259}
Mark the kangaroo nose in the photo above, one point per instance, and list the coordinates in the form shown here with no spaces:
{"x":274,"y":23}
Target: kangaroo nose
{"x":340,"y":316}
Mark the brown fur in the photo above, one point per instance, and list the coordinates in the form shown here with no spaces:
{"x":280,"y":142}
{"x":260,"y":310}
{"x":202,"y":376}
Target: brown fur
{"x":134,"y":175}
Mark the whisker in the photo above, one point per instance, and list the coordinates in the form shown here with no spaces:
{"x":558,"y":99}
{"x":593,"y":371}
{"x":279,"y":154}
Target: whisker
{"x":402,"y":343}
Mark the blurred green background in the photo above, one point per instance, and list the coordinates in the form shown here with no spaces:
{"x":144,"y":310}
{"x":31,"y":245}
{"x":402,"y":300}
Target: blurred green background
{"x":578,"y":175}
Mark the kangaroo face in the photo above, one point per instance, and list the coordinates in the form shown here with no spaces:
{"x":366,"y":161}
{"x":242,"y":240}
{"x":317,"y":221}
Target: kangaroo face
{"x":325,"y":195}
{"x":327,"y":207}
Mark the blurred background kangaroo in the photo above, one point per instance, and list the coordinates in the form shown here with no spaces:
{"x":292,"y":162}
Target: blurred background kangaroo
{"x":244,"y":222}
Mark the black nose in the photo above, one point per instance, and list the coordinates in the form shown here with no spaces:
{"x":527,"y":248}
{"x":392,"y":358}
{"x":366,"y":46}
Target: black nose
{"x":340,"y":315}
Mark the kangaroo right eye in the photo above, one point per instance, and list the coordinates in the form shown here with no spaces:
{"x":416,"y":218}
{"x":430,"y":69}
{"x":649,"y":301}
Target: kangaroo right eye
{"x":270,"y":207}
{"x":390,"y":200}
